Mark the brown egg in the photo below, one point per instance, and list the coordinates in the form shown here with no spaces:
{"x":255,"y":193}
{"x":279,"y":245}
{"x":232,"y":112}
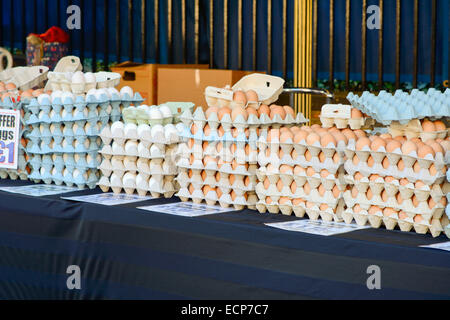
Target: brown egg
{"x":210,"y":111}
{"x":384,"y":195}
{"x":437,"y":148}
{"x":266,"y":183}
{"x":385,"y":136}
{"x":308,"y":155}
{"x":310,"y":172}
{"x":336,"y":191}
{"x":419,"y":184}
{"x":10,"y":86}
{"x":220,"y":131}
{"x":428,"y":126}
{"x":403,"y":182}
{"x":338,"y":136}
{"x":393,"y":145}
{"x":207,"y":189}
{"x":445,"y":145}
{"x":389,"y":179}
{"x":370,"y":161}
{"x":415,"y":201}
{"x":323,"y":207}
{"x":297,"y":202}
{"x":349,"y":134}
{"x":309,"y":204}
{"x":204,"y":175}
{"x":377,"y":143}
{"x":401,"y":165}
{"x":322,"y":157}
{"x":285,"y":136}
{"x":357,"y":208}
{"x":356,"y":114}
{"x":239,"y":111}
{"x":312,"y":138}
{"x":289,"y":110}
{"x":373,"y":177}
{"x":300,"y":135}
{"x":387,"y":212}
{"x":360,"y":133}
{"x":233,"y":148}
{"x":252,"y":96}
{"x":324,"y":173}
{"x":280,"y":185}
{"x":293,"y":187}
{"x":355,"y":160}
{"x":191,"y":159}
{"x":240,"y":97}
{"x":307,"y":188}
{"x":336,"y":158}
{"x":399,"y":198}
{"x":264,"y":109}
{"x":191,"y":189}
{"x":425,"y":150}
{"x":223,"y":111}
{"x":439,"y":125}
{"x":432,"y":169}
{"x":374,"y":210}
{"x":231,"y":179}
{"x":386,"y":163}
{"x":402,"y":215}
{"x":418,"y":218}
{"x":205,"y":144}
{"x":26,"y":94}
{"x":327,"y":139}
{"x":358,"y":176}
{"x":283,"y":200}
{"x":295,"y":129}
{"x":362,"y":142}
{"x":431,"y":203}
{"x":355,"y":192}
{"x":218,"y":176}
{"x":284,"y":168}
{"x":190,"y":173}
{"x":207,"y":130}
{"x":208,"y":159}
{"x":219,"y":193}
{"x":369,"y":194}
{"x":219,"y":147}
{"x":298,"y":170}
{"x":251,"y":110}
{"x":277,"y":110}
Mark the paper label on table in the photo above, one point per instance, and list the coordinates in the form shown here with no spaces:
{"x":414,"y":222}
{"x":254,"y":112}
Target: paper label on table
{"x":109,"y":199}
{"x":187,"y":209}
{"x":318,"y":227}
{"x":39,"y":190}
{"x":9,"y":138}
{"x":441,"y":246}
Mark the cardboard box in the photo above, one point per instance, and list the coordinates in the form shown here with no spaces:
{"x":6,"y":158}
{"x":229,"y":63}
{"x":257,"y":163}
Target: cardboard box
{"x":142,"y":78}
{"x":188,"y":85}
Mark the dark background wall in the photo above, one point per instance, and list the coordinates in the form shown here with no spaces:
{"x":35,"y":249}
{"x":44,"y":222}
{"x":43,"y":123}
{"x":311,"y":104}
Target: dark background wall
{"x":106,"y":37}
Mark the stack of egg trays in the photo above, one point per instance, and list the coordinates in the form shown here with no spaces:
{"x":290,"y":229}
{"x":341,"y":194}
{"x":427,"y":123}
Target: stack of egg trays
{"x":64,"y":139}
{"x":21,"y":172}
{"x":139,"y":158}
{"x":218,"y":168}
{"x":401,"y":106}
{"x":387,"y":186}
{"x":324,"y":199}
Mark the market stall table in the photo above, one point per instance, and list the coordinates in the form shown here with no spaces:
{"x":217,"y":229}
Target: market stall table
{"x":129,"y":253}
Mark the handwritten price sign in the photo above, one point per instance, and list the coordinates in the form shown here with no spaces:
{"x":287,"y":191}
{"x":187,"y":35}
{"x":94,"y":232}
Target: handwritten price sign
{"x":9,"y":138}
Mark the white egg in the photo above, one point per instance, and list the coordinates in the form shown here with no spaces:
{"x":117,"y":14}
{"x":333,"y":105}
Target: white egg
{"x":131,"y":147}
{"x":117,"y":148}
{"x":115,"y":180}
{"x":78,"y":77}
{"x":127,"y":90}
{"x":143,"y":131}
{"x":92,"y":92}
{"x":155,"y":114}
{"x":43,"y":96}
{"x":113,"y":91}
{"x":157,"y":130}
{"x":89,"y":77}
{"x":165,"y":111}
{"x":130,"y":131}
{"x":100,"y":92}
{"x":180,"y":127}
{"x":66,"y":95}
{"x":57,"y":94}
{"x":129,"y":179}
{"x":117,"y":129}
{"x":141,"y":182}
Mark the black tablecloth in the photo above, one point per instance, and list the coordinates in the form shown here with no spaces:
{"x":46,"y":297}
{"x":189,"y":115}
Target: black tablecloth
{"x":128,"y":253}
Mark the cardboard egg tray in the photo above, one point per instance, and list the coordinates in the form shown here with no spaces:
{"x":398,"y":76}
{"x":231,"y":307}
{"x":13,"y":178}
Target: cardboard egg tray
{"x":408,"y":172}
{"x":62,"y":81}
{"x":413,"y":129}
{"x":241,"y":201}
{"x":403,"y":106}
{"x":267,"y":87}
{"x":69,"y":175}
{"x":148,"y":115}
{"x":228,"y":151}
{"x":200,"y":120}
{"x":25,"y":77}
{"x":143,"y":183}
{"x":139,"y":159}
{"x":339,"y":115}
{"x":435,"y":226}
{"x":435,"y":191}
{"x":237,"y":169}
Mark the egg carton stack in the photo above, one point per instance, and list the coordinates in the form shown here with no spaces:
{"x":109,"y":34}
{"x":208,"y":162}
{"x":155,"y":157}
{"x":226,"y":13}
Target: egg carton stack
{"x":63,"y":138}
{"x":402,"y":107}
{"x":166,"y":113}
{"x":79,"y":82}
{"x":301,"y":171}
{"x":23,"y":169}
{"x":397,"y":182}
{"x":343,"y":116}
{"x":424,"y":129}
{"x":139,"y":153}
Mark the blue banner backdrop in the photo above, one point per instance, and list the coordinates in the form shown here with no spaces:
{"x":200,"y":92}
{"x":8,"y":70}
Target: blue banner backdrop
{"x":18,"y":18}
